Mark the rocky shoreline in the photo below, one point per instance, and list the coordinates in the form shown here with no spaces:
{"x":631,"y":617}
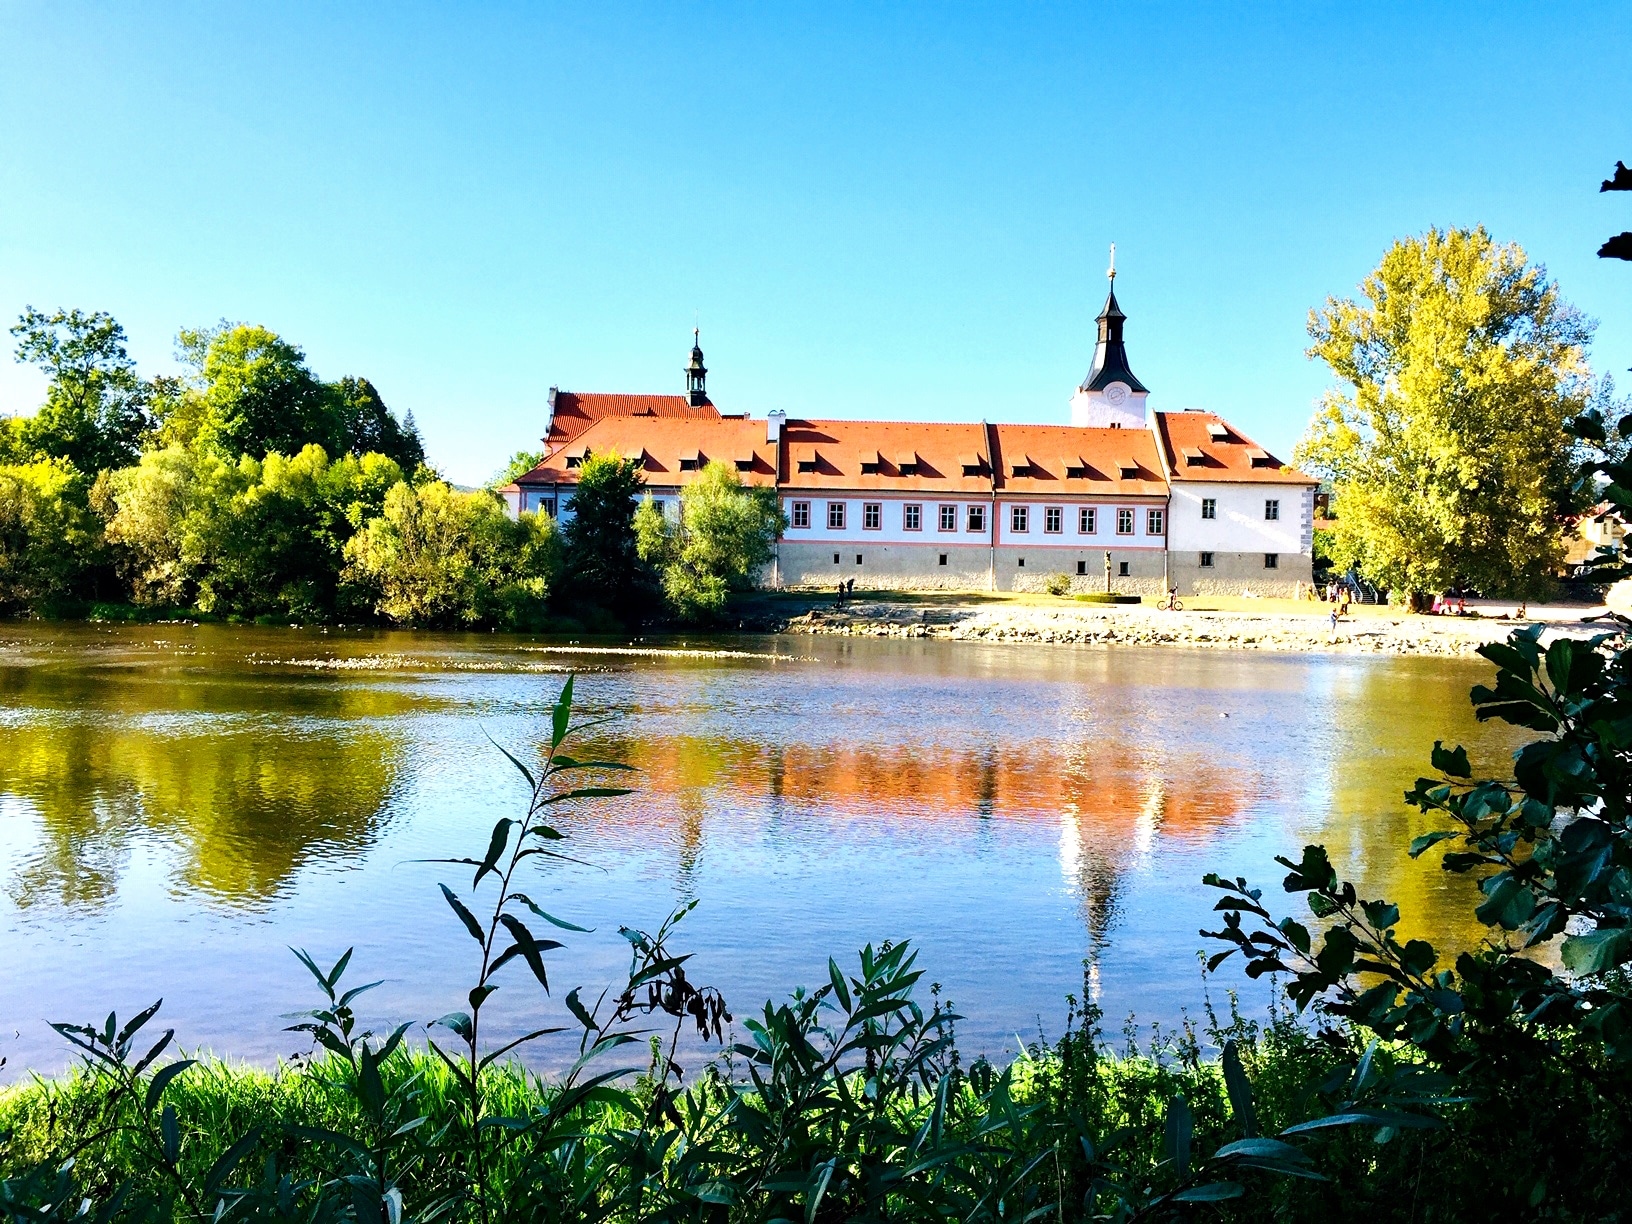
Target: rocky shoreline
{"x":1369,"y":631}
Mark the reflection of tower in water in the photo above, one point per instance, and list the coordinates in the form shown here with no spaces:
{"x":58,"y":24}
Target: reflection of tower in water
{"x":1098,"y":846}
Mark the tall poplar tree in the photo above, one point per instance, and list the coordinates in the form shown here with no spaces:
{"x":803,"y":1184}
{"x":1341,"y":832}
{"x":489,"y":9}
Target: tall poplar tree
{"x":1445,"y":439}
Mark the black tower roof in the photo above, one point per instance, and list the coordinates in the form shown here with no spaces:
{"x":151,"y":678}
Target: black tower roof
{"x":1110,"y":355}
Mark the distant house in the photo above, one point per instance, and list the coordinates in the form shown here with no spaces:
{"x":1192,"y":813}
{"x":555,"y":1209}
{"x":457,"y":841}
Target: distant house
{"x":1598,"y":528}
{"x":1144,"y":500}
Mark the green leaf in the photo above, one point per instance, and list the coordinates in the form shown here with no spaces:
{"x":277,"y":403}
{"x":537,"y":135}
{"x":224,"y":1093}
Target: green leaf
{"x":1212,"y":1192}
{"x":1597,"y":951}
{"x":228,"y":1161}
{"x":161,"y":1080}
{"x":561,"y":715}
{"x":1240,"y":1091}
{"x":553,"y":921}
{"x":1428,"y":840}
{"x":1177,"y":1134}
{"x":1367,"y":1117}
{"x":840,"y":990}
{"x":1453,"y":762}
{"x":465,"y":916}
{"x":495,"y":847}
{"x":169,"y":1133}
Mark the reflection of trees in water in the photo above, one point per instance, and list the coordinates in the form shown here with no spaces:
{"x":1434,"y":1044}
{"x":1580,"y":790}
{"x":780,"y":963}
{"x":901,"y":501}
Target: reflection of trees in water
{"x":242,"y":806}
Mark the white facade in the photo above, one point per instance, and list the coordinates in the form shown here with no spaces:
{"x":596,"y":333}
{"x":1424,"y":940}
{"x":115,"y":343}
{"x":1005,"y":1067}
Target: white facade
{"x":1246,"y":517}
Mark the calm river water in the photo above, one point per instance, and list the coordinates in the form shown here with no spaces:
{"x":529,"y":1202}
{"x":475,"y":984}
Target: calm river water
{"x":181,"y":805}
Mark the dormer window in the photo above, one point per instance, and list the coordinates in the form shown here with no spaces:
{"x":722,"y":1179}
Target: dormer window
{"x":576,"y":459}
{"x":1261,"y":458}
{"x":870,"y":463}
{"x":745,"y":465}
{"x":1193,"y":457}
{"x":1076,"y":471}
{"x":691,"y":462}
{"x":973,"y":465}
{"x":907,"y":465}
{"x":806,"y":461}
{"x":1218,"y":431}
{"x":1023,"y":468}
{"x":1128,"y":468}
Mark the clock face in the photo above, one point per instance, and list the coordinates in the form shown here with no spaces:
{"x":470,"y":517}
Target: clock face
{"x":1117,"y":393}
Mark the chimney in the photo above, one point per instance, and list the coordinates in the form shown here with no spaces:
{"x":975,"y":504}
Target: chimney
{"x":773,"y":425}
{"x":549,"y":420}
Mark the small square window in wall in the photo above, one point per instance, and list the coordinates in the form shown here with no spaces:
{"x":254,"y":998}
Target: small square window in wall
{"x":977,"y":518}
{"x":912,"y":518}
{"x":1272,"y":560}
{"x":1206,"y":560}
{"x":1124,"y":522}
{"x":872,"y":516}
{"x":835,"y":558}
{"x":1121,"y":569}
{"x":858,"y":558}
{"x":801,"y":514}
{"x":1209,"y":508}
{"x":1272,"y":509}
{"x":835,"y":516}
{"x":949,"y":518}
{"x":1020,"y":563}
{"x":1154,"y":522}
{"x":1082,"y":567}
{"x":1087,"y":520}
{"x":1053,"y":520}
{"x":1019,"y":519}
{"x":943,"y":558}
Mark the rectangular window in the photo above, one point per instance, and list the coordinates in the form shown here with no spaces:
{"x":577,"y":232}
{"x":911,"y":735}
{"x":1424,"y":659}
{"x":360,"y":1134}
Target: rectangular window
{"x":1022,"y":563}
{"x":835,"y":516}
{"x":1082,"y":567}
{"x":1019,"y":519}
{"x":1087,"y":521}
{"x":1209,"y":508}
{"x":1272,"y":509}
{"x":835,"y":558}
{"x":977,"y":518}
{"x":1272,"y":560}
{"x":1206,"y":560}
{"x":949,"y":518}
{"x":858,"y":558}
{"x":657,"y":504}
{"x":872,"y":516}
{"x":801,"y":514}
{"x":1121,"y":569}
{"x":1153,"y":522}
{"x":1124,"y":521}
{"x":943,"y":558}
{"x":1053,"y":520}
{"x":912,"y":518}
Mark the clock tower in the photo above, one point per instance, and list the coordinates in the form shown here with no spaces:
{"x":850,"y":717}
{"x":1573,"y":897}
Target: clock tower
{"x":1110,"y":395}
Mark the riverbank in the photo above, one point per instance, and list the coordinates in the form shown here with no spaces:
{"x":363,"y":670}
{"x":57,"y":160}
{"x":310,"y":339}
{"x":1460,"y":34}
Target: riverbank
{"x":1220,"y":623}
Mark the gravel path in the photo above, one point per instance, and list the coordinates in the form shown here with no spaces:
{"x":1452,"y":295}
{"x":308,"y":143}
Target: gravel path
{"x":1368,"y":632}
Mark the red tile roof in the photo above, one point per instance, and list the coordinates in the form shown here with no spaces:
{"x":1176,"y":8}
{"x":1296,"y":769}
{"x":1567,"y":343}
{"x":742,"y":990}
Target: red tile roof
{"x":870,"y":455}
{"x":1072,"y":460}
{"x":1203,"y":446}
{"x":662,"y":444}
{"x":576,"y":411}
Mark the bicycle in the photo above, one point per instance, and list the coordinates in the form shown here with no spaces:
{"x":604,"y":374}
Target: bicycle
{"x":1171,"y":603}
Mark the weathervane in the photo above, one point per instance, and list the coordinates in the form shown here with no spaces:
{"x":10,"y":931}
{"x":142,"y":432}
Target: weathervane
{"x":1111,"y":271}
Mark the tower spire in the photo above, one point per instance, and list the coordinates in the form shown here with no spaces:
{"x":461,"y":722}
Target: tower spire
{"x":1110,"y":354}
{"x":697,"y":372}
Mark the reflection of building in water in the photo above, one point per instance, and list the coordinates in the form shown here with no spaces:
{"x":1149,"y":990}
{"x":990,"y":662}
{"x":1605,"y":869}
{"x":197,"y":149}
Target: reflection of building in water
{"x":1112,"y":802}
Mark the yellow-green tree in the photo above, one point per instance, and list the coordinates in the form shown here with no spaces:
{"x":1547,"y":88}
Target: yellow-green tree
{"x":723,"y":536}
{"x":1445,"y":441}
{"x":48,"y":535}
{"x":439,"y":558}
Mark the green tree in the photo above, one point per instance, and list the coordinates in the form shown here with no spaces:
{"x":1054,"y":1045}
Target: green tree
{"x":95,"y":413}
{"x":48,"y":536}
{"x":259,"y":537}
{"x":520,"y":464}
{"x":257,"y":394}
{"x":438,"y":558}
{"x":366,"y":426}
{"x":1446,"y":443}
{"x":723,"y":536}
{"x":602,"y":562}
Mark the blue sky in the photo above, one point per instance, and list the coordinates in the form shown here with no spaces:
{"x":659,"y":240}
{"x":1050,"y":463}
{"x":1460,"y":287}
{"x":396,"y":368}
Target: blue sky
{"x":890,"y":211}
